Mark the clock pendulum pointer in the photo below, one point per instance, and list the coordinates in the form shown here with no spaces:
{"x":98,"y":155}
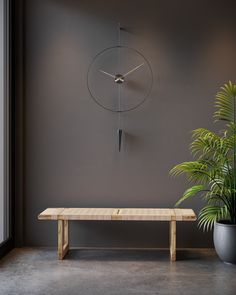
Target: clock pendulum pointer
{"x":119,"y":79}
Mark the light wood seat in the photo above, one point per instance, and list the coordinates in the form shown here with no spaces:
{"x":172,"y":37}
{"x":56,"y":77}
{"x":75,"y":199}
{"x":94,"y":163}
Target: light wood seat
{"x":63,"y":215}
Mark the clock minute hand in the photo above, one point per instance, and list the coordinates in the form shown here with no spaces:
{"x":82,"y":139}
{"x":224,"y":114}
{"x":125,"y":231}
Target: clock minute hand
{"x":108,"y":74}
{"x":134,"y":69}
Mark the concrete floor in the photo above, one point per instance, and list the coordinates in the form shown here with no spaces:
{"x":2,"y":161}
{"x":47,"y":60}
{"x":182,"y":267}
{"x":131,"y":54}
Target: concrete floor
{"x":32,"y":271}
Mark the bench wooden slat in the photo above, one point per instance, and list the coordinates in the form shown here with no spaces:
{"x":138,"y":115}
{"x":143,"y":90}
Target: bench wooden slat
{"x":88,"y":213}
{"x":146,"y":214}
{"x":185,"y":215}
{"x":50,"y":214}
{"x":78,"y":214}
{"x":158,"y":214}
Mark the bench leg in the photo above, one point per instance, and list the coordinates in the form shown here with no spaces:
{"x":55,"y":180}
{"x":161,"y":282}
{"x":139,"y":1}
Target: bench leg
{"x":63,"y":238}
{"x":173,"y":240}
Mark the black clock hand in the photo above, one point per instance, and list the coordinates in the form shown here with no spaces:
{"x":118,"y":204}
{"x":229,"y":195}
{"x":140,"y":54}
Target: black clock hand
{"x":134,"y":69}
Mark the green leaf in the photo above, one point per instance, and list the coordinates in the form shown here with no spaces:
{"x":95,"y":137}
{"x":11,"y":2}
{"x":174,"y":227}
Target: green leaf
{"x":210,"y":214}
{"x":192,"y":191}
{"x":225,"y":103}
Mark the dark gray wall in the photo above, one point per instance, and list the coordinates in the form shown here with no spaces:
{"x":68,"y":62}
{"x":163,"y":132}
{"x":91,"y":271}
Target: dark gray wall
{"x":70,"y":151}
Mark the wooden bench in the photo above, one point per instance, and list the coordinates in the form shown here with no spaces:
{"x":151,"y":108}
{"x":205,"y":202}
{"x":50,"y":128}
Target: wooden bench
{"x":64,"y":215}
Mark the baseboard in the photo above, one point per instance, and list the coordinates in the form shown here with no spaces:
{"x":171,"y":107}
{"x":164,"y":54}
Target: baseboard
{"x":6,"y":247}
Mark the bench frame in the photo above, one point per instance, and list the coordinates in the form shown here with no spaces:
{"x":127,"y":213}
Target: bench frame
{"x":63,"y":215}
{"x":63,"y":238}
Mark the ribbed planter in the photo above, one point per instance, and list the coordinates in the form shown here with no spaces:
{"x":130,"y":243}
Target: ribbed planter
{"x":224,"y":237}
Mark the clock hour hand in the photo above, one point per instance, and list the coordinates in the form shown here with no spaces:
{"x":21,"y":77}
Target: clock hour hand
{"x":108,"y":74}
{"x":134,"y":69}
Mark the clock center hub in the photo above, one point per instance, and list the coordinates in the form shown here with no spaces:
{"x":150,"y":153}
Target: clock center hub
{"x":119,"y":79}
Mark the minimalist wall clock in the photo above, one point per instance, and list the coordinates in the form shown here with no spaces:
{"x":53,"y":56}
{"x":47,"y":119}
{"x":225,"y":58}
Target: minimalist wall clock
{"x":119,"y":79}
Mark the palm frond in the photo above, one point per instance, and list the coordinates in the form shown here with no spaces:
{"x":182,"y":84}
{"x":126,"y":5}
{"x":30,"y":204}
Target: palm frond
{"x":192,"y":191}
{"x":207,"y":144}
{"x":195,"y":171}
{"x":225,"y":102}
{"x":210,"y":214}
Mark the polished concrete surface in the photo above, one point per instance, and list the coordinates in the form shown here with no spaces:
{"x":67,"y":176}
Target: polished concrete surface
{"x":31,"y":271}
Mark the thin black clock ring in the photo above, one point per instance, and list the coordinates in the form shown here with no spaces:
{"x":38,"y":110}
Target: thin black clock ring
{"x":145,"y":97}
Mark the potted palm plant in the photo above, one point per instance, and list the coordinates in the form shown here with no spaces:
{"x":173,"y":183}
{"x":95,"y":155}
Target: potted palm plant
{"x":212,"y":175}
